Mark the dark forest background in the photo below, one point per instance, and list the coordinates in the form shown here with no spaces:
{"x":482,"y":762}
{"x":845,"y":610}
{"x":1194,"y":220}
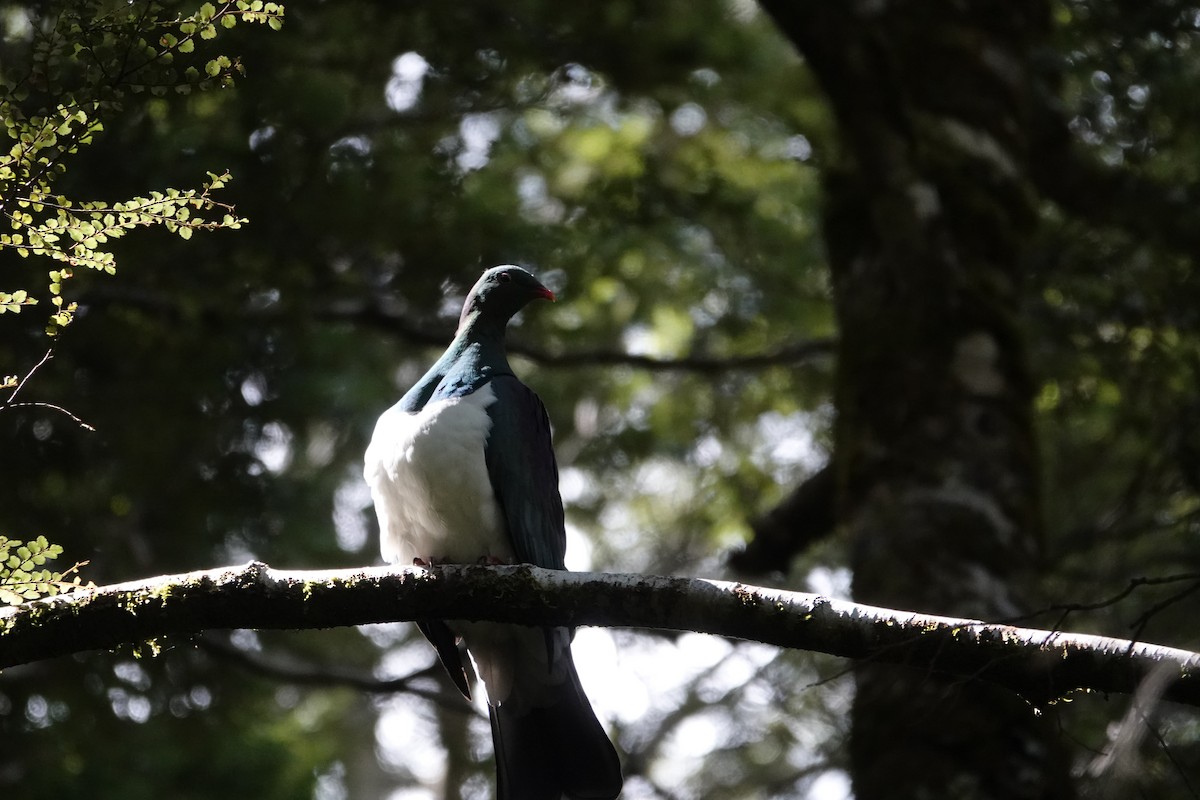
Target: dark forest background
{"x":884,"y":300}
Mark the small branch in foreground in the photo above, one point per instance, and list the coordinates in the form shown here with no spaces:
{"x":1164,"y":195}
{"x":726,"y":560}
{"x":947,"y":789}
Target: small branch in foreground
{"x":12,"y":398}
{"x":10,"y":402}
{"x":1040,"y":665}
{"x":53,"y":407}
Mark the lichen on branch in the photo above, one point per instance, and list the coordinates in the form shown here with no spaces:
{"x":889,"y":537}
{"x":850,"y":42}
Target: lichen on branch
{"x":1042,"y":666}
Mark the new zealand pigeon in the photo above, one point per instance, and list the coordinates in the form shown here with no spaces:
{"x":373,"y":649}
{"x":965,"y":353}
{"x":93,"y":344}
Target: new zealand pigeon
{"x":462,"y":471}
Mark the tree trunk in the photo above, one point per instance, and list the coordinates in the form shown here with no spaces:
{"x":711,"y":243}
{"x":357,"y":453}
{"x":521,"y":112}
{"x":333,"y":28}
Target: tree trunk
{"x":929,"y":204}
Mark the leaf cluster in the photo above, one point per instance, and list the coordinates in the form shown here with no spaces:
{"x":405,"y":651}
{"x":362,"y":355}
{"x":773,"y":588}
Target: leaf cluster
{"x":85,"y":58}
{"x":23,"y":575}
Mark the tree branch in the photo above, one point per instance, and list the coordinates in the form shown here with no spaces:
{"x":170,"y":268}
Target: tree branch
{"x":306,"y":674}
{"x":11,"y":401}
{"x":1144,"y":207}
{"x":397,"y":324}
{"x":438,"y":333}
{"x":800,"y":520}
{"x":1040,"y":665}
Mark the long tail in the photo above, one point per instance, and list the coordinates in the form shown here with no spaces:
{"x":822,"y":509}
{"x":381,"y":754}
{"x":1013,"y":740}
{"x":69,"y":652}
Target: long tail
{"x":555,"y":750}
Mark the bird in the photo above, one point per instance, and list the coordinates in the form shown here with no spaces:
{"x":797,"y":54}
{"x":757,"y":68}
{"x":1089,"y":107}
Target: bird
{"x":462,"y":471}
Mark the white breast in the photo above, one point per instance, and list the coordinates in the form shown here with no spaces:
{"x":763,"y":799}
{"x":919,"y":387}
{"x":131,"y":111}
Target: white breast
{"x":430,"y":483}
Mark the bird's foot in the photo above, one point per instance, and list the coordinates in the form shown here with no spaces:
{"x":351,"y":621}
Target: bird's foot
{"x":491,"y":561}
{"x":433,"y":562}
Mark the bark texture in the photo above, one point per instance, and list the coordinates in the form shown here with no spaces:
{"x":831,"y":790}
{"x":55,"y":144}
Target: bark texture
{"x":1039,"y":665}
{"x":929,"y":205}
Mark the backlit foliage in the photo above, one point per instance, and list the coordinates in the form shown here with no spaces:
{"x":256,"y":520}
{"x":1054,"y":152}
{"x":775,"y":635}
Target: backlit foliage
{"x":86,"y":63}
{"x":23,"y":574}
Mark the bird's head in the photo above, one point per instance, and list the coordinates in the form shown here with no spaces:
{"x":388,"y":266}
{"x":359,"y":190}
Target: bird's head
{"x":501,"y":292}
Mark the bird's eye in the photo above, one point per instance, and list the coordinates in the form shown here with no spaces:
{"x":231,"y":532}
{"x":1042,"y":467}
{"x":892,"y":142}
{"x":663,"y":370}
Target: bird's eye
{"x":504,"y":277}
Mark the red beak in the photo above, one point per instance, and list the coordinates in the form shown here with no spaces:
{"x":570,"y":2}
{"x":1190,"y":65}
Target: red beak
{"x":546,"y":293}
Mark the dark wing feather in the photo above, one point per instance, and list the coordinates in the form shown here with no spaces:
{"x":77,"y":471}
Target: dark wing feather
{"x":446,"y":644}
{"x":524,"y":474}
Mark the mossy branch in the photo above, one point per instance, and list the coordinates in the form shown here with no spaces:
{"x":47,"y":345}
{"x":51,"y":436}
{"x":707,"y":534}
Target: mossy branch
{"x":1041,"y":665}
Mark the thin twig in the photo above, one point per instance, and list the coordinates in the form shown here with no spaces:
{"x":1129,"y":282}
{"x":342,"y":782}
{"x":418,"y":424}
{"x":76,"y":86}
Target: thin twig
{"x":12,"y":397}
{"x":1169,"y":752}
{"x":10,"y":404}
{"x":1066,"y":609}
{"x":1139,"y":625}
{"x":320,"y":675}
{"x":53,"y":407}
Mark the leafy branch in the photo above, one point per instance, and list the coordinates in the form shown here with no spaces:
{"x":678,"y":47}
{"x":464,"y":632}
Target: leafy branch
{"x":78,"y":62}
{"x":23,"y":575}
{"x":83,"y":62}
{"x":75,"y":234}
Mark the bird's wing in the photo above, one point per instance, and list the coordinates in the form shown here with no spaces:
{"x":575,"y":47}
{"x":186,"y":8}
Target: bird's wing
{"x":524,"y":474}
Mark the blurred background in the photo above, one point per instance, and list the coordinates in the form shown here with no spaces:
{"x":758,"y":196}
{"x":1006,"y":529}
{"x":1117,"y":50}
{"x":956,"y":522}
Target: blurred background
{"x":659,"y":166}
